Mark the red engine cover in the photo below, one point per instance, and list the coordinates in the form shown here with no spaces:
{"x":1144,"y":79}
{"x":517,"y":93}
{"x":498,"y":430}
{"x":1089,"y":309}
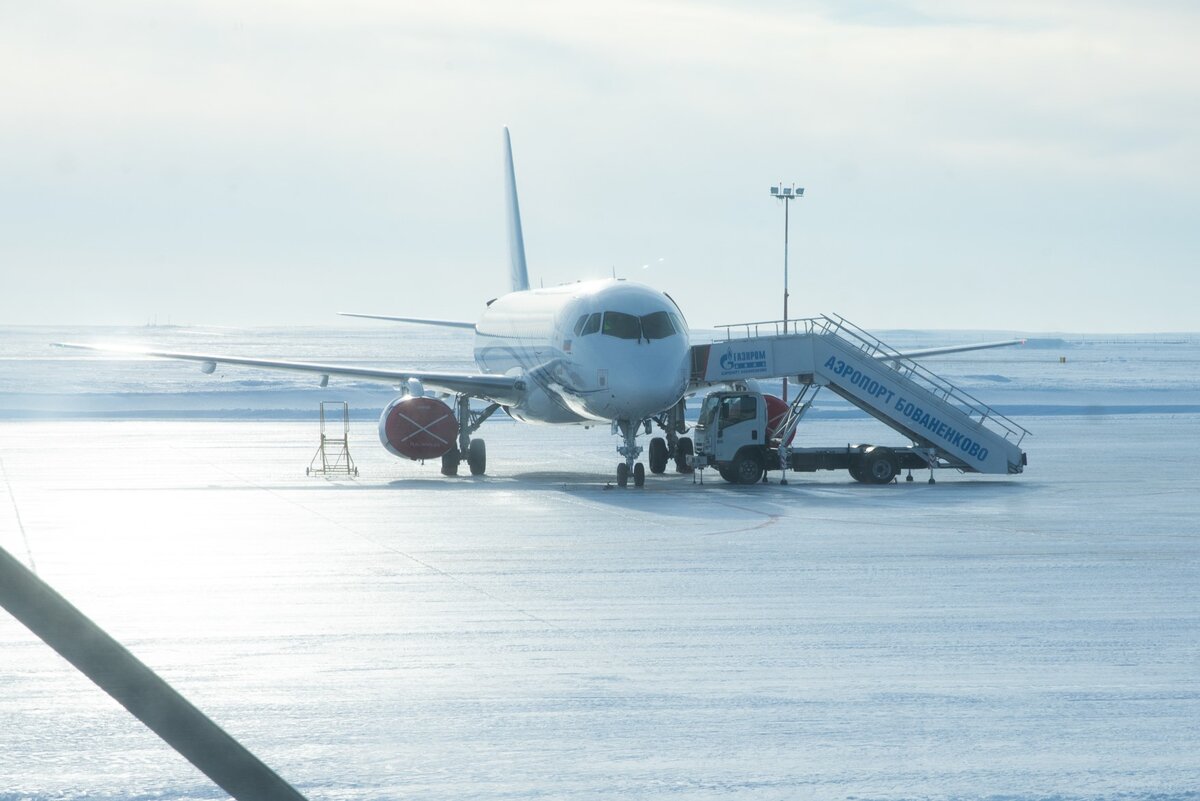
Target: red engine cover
{"x":777,"y":410}
{"x":418,"y":428}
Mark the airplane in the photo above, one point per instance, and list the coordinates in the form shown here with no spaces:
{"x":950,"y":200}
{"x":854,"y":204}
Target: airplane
{"x":601,"y":351}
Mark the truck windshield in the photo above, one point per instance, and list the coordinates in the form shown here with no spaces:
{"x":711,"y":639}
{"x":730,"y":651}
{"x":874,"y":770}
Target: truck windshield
{"x":708,"y":412}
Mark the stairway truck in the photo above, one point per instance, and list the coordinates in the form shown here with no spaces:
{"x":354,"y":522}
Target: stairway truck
{"x":737,"y":434}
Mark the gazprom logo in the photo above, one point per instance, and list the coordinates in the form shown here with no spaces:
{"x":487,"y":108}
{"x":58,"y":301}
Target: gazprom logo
{"x":735,"y":360}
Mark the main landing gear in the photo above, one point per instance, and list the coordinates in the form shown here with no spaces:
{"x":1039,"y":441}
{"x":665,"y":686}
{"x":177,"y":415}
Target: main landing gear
{"x":473,"y":451}
{"x":673,"y":446}
{"x":671,"y":449}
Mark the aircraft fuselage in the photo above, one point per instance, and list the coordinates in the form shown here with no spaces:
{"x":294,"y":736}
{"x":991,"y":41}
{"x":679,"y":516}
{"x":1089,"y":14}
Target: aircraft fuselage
{"x":591,"y":351}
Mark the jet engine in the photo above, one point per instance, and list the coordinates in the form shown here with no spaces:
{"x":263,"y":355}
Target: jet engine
{"x":415,"y":427}
{"x":777,"y":410}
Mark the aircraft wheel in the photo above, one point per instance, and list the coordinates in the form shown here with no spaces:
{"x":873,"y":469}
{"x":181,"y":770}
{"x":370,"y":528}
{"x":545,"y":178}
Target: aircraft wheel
{"x":639,"y":475}
{"x":682,"y":451}
{"x":477,"y":457}
{"x":746,"y":469}
{"x":450,"y":462}
{"x":658,"y":455}
{"x":622,"y":474}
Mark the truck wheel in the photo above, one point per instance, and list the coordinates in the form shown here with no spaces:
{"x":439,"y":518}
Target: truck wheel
{"x":879,"y":466}
{"x":746,"y":469}
{"x":658,"y":455}
{"x":727,"y":474}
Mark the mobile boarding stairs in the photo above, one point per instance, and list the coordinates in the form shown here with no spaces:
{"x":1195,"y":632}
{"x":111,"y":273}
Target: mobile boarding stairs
{"x":950,"y":425}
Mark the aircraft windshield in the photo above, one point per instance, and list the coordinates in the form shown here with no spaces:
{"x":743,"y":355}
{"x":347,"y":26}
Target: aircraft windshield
{"x":656,"y":325}
{"x":622,"y":326}
{"x":587,"y":324}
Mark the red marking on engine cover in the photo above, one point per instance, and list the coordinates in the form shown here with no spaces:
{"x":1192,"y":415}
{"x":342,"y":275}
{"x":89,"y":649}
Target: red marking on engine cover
{"x":418,"y":428}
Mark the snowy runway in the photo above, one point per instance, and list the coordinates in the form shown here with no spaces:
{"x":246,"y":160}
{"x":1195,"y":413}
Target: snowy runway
{"x":532,"y":633}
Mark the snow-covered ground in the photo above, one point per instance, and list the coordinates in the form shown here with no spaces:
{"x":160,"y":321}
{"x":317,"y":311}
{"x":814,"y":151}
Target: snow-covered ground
{"x":533,"y":633}
{"x":1128,"y":373}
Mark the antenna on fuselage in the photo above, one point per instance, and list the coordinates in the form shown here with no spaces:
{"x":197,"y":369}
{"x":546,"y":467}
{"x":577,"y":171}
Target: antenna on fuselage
{"x":519,"y":274}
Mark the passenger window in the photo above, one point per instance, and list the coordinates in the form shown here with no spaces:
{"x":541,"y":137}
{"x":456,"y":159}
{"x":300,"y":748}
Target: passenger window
{"x":592,"y":325}
{"x":657,"y":326}
{"x":622,"y":326}
{"x":579,"y":325}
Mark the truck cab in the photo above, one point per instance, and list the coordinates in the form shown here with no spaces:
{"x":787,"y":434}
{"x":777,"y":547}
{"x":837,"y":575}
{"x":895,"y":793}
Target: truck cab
{"x":734,"y":434}
{"x":731,"y":435}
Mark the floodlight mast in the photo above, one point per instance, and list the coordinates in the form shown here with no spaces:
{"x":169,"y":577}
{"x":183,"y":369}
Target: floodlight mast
{"x":787,"y":194}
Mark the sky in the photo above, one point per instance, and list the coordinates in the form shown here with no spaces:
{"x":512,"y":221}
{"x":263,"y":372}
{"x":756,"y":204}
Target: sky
{"x":1027,"y":166}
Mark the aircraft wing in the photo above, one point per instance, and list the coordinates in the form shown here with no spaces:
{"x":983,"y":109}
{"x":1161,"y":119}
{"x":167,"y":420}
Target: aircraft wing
{"x":417,"y":320}
{"x":502,"y":389}
{"x":917,"y":354}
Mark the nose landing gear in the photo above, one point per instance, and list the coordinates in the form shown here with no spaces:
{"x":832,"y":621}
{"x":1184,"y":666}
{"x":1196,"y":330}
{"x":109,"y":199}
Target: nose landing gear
{"x":673,"y":447}
{"x":631,"y":451}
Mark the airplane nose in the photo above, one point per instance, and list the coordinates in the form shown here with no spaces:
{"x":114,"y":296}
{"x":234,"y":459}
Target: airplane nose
{"x":649,"y":382}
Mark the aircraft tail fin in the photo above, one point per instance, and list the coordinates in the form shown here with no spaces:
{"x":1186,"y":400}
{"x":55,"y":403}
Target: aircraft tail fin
{"x":519,"y":274}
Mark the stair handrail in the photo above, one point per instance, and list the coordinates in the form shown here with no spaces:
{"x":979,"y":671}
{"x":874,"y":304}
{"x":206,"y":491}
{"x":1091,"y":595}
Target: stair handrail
{"x":874,"y":347}
{"x":800,"y":325}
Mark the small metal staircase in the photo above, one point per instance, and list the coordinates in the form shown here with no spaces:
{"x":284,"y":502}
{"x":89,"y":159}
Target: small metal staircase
{"x":333,"y":454}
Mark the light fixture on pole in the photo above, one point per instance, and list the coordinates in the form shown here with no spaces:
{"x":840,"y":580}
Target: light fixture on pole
{"x":787,"y":194}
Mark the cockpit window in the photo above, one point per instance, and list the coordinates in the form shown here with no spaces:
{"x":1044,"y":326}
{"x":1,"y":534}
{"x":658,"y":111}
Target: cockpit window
{"x":679,"y":326}
{"x":592,"y":325}
{"x":657,"y":325}
{"x":579,"y":325}
{"x":622,"y":325}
